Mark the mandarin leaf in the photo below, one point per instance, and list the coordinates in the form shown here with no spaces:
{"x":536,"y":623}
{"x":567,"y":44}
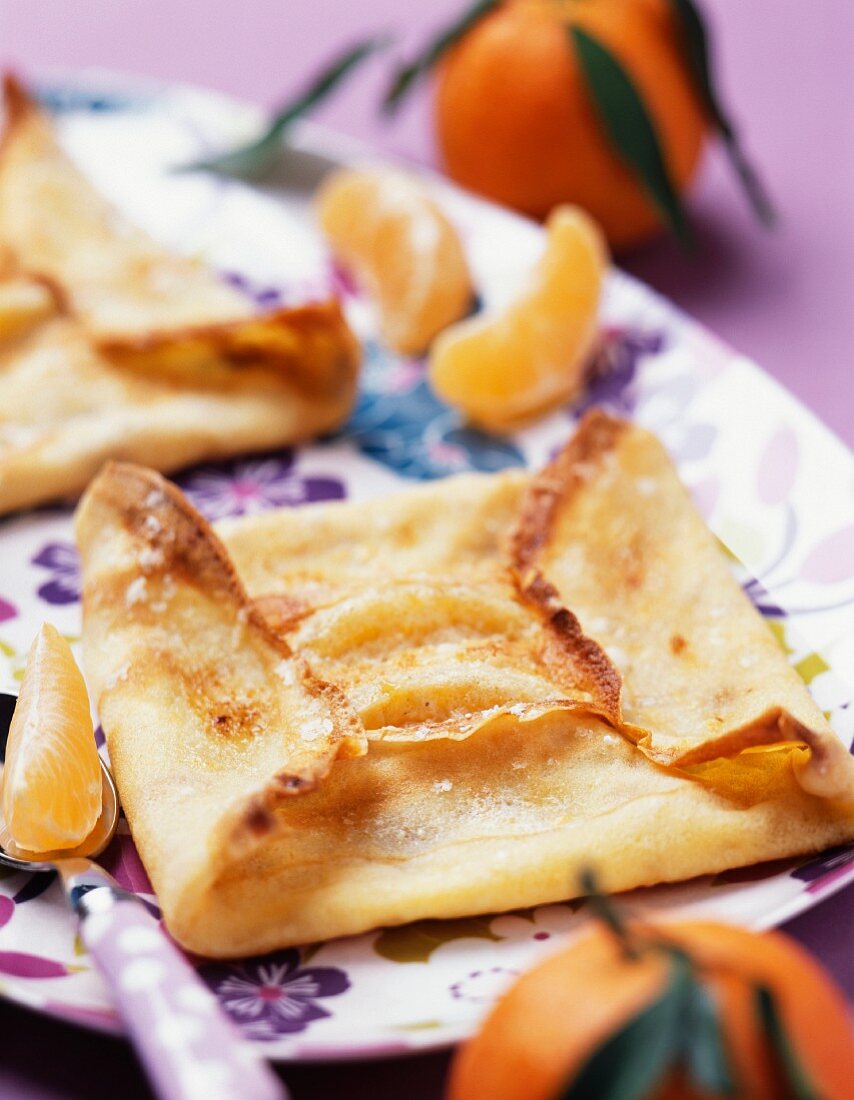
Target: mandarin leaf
{"x":406,"y":76}
{"x":768,"y":1011}
{"x":629,"y":127}
{"x":704,"y":1053}
{"x":695,"y":42}
{"x":633,"y":1062}
{"x":256,"y":155}
{"x":601,"y":908}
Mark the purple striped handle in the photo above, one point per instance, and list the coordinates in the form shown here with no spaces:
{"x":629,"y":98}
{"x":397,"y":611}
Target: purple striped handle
{"x":190,"y":1050}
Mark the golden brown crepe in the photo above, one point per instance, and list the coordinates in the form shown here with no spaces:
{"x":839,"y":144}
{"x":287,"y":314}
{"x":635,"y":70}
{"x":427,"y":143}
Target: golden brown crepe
{"x":354,"y":715}
{"x":110,"y":345}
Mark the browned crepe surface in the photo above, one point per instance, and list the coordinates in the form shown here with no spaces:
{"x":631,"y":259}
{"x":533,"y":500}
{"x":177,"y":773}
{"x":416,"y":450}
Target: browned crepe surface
{"x":113,"y":346}
{"x":477,"y":745}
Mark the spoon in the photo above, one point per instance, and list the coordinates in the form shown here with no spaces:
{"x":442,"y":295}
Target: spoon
{"x":189,"y":1048}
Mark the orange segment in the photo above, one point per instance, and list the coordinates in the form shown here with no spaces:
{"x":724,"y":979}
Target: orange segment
{"x":24,"y":303}
{"x":501,"y":370}
{"x":52,"y":777}
{"x":383,"y":225}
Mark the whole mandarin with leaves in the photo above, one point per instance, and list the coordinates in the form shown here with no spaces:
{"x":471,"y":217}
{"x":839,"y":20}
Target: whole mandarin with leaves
{"x":550,"y":1024}
{"x":516,"y":122}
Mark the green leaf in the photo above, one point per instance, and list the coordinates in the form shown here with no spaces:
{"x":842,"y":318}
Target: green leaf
{"x":704,"y":1052}
{"x":632,"y":1063}
{"x":629,"y":126}
{"x":602,"y":908}
{"x":416,"y":942}
{"x":253,"y":157}
{"x":793,"y":1071}
{"x":406,"y":76}
{"x":695,"y":42}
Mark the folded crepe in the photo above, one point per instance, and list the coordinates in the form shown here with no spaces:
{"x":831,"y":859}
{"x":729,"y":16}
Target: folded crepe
{"x":110,"y":345}
{"x":446,"y":702}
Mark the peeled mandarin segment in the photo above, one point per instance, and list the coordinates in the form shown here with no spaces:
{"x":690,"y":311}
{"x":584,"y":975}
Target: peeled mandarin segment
{"x":24,"y":303}
{"x":52,"y":777}
{"x":501,"y":370}
{"x":385,"y":227}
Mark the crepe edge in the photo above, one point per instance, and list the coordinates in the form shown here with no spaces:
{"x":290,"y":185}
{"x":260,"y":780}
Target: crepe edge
{"x":827,"y":771}
{"x":545,"y":869}
{"x":310,"y":347}
{"x":188,"y":544}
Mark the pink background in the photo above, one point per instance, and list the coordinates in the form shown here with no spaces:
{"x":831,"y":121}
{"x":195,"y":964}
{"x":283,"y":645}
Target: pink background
{"x":785,"y":298}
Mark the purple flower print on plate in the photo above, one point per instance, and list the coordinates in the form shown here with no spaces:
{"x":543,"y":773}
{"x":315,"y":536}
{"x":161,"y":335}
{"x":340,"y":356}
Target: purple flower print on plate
{"x":483,"y":986}
{"x":249,"y":486}
{"x":265,"y":297}
{"x":7,"y":610}
{"x":274,"y":995}
{"x":762,"y":600}
{"x":820,"y":873}
{"x":7,"y":908}
{"x":830,"y":562}
{"x":778,"y":467}
{"x":614,"y":367}
{"x":20,"y":964}
{"x":122,"y":861}
{"x":341,"y":282}
{"x":62,"y":561}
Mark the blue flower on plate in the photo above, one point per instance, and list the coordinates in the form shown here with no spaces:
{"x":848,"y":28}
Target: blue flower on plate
{"x":399,"y":423}
{"x":66,"y":97}
{"x":62,"y":561}
{"x":274,"y":995}
{"x":248,"y":486}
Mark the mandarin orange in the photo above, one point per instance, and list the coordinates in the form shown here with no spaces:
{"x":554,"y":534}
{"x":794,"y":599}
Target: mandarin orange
{"x":52,"y":775}
{"x":516,"y":122}
{"x":386,"y":227}
{"x":501,"y":370}
{"x":548,"y":1024}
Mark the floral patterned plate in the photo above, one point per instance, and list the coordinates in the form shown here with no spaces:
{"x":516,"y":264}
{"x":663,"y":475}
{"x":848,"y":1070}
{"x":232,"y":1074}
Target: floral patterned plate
{"x":774,"y":484}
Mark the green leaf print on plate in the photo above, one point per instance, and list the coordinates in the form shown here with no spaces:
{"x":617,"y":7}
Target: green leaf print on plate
{"x":415,"y":943}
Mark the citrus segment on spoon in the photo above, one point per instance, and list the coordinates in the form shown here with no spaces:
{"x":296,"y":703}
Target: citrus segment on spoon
{"x":384,"y":226}
{"x":52,"y":775}
{"x":501,"y":370}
